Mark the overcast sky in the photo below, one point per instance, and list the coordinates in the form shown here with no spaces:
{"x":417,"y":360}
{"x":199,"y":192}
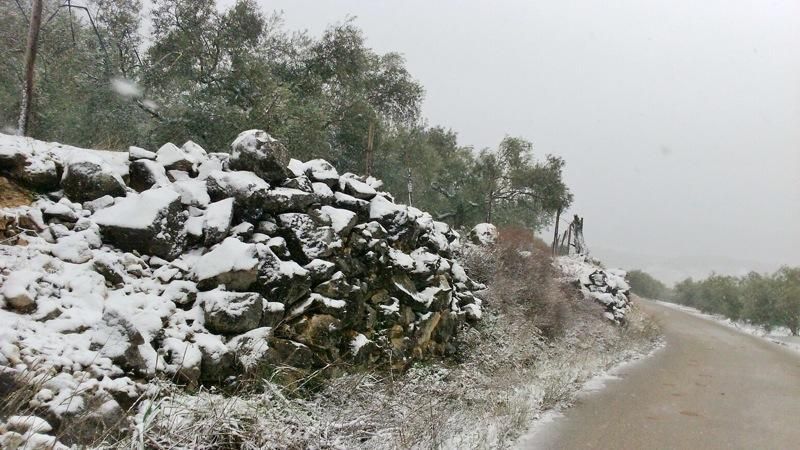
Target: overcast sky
{"x":678,"y":119}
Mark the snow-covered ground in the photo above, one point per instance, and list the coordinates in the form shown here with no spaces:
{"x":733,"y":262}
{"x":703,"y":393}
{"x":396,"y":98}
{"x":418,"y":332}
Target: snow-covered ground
{"x":779,"y":335}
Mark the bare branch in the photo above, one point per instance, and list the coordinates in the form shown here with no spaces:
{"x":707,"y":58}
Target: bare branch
{"x":22,"y":10}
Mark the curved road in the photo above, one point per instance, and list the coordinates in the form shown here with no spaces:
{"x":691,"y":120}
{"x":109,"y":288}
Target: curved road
{"x":710,"y":387}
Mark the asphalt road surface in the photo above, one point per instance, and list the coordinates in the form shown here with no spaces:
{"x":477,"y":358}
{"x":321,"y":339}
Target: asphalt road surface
{"x":711,"y":387}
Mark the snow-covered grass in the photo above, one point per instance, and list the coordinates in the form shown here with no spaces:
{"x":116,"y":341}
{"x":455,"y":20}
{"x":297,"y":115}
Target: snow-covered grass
{"x":777,"y":335}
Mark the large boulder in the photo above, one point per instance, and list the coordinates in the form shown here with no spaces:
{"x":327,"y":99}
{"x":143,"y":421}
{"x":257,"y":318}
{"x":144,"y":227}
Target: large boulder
{"x":86,"y":180}
{"x":231,"y":312}
{"x":150,"y":223}
{"x":257,"y":151}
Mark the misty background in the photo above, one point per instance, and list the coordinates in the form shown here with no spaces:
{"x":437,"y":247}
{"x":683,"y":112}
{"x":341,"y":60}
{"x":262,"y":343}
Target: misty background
{"x":678,"y":119}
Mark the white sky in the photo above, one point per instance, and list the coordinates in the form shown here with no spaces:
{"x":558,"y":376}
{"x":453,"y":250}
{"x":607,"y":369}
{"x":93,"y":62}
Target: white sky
{"x":678,"y":118}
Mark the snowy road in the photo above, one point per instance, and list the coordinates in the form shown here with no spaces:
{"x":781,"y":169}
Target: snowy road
{"x":710,"y":387}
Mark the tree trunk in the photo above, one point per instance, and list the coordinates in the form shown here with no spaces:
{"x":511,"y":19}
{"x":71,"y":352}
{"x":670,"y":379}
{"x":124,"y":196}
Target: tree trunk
{"x":30,"y":61}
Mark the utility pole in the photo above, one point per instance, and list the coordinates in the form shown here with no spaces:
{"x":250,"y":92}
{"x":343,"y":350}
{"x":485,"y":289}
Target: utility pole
{"x":30,"y":62}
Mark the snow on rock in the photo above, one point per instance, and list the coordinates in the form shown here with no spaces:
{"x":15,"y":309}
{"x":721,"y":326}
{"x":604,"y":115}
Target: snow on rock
{"x":232,"y":263}
{"x":85,"y":180}
{"x":135,"y":153}
{"x":351,"y":185}
{"x":188,"y":270}
{"x":484,"y":234}
{"x":256,"y":150}
{"x":251,"y":348}
{"x":308,"y":239}
{"x":217,"y":221}
{"x":358,"y":343}
{"x":174,"y":158}
{"x":231,"y":312}
{"x":606,"y":286}
{"x":193,"y":192}
{"x":145,"y":174}
{"x":283,"y":199}
{"x":151,"y":222}
{"x":341,"y":220}
{"x":16,"y":288}
{"x":322,"y":171}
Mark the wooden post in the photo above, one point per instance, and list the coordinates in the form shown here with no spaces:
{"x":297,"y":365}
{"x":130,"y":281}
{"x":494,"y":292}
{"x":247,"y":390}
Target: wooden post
{"x":30,"y":61}
{"x":555,"y":232}
{"x":569,"y":237}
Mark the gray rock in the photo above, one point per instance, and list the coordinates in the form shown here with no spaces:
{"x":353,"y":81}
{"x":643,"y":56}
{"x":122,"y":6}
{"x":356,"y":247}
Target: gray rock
{"x":306,"y":239}
{"x":274,"y":313}
{"x":150,"y":223}
{"x":231,"y":263}
{"x":231,"y":312}
{"x":320,"y":270}
{"x":248,"y":191}
{"x":257,"y":151}
{"x":86,"y":180}
{"x":144,"y":174}
{"x":282,"y":199}
{"x":301,"y":183}
{"x":282,"y":281}
{"x":217,"y":221}
{"x":322,"y":171}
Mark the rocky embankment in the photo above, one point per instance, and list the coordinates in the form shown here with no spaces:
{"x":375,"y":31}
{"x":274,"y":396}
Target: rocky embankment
{"x":608,"y":287}
{"x":207,"y":268}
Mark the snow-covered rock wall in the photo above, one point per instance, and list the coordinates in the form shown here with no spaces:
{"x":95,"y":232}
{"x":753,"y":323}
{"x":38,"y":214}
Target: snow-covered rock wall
{"x":203,"y":266}
{"x":606,"y":286}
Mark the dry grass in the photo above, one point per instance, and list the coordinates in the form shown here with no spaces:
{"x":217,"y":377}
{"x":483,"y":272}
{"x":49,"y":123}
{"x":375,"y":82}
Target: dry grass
{"x":12,"y":195}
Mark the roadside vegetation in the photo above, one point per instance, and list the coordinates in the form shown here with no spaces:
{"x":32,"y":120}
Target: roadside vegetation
{"x":768,"y":300}
{"x":645,"y":285}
